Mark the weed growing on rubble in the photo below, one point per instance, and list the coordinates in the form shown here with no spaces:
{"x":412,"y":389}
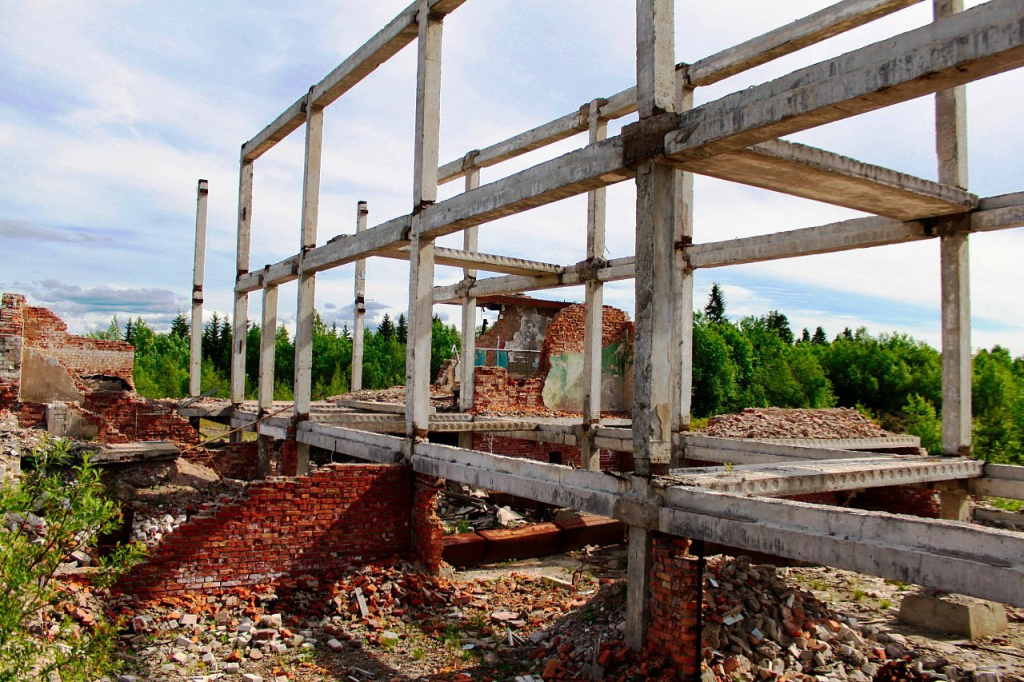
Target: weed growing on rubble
{"x":52,"y":511}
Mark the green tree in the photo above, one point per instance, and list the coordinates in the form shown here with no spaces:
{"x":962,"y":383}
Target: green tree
{"x":445,"y":342}
{"x":180,"y":326}
{"x":48,"y":514}
{"x":715,"y":309}
{"x":402,"y":329}
{"x":386,"y":328}
{"x":920,"y":419}
{"x":819,"y":338}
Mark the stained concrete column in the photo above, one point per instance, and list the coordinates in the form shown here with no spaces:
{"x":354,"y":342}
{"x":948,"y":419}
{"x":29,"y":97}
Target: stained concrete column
{"x":656,"y":292}
{"x":241,"y":312}
{"x":359,"y":307}
{"x":307,"y":280}
{"x":682,"y":353}
{"x":421,"y":248}
{"x":268,"y":346}
{"x":467,"y":366}
{"x":198,"y":270}
{"x":951,"y":147}
{"x":594,"y":304}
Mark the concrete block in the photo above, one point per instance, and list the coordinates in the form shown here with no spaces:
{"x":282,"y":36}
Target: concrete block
{"x":521,"y":543}
{"x":464,"y":549}
{"x":964,"y":616}
{"x":591,"y":530}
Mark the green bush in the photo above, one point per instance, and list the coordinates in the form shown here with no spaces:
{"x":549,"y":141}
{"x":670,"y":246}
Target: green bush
{"x":50,"y":512}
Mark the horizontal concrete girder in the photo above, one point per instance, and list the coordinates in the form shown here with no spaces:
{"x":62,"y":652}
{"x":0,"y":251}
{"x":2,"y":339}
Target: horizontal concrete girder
{"x":800,"y":478}
{"x":812,"y":173}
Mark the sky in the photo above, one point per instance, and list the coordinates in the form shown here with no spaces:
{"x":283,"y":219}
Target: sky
{"x":110,"y":112}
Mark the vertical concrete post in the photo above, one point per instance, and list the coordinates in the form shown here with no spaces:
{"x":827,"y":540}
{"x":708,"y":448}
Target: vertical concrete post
{"x":241,"y":314}
{"x":656,"y":293}
{"x":594,"y":304}
{"x":951,"y":146}
{"x":656,"y":230}
{"x":682,"y":354}
{"x":359,"y":308}
{"x":467,"y":377}
{"x":198,"y":270}
{"x":268,"y":346}
{"x":421,"y":248}
{"x":954,"y":500}
{"x":303,"y":388}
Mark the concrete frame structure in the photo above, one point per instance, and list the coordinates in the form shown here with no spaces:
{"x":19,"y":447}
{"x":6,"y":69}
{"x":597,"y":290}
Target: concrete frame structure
{"x":735,"y":138}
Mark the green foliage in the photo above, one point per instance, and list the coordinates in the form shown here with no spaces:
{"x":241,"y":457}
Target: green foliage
{"x":180,"y":326}
{"x":920,"y":419}
{"x":37,"y":637}
{"x":445,"y":342}
{"x":386,"y":328}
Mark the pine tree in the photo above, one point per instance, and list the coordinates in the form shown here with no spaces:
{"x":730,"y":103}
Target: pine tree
{"x":403,"y":328}
{"x":805,"y":336}
{"x":386,"y":328}
{"x":779,"y":324}
{"x":180,"y":327}
{"x":819,"y":338}
{"x":715,"y":309}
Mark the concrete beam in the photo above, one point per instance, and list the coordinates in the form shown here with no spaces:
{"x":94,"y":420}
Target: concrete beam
{"x":1000,"y":480}
{"x":385,"y":44}
{"x":744,"y":451}
{"x":198,"y":270}
{"x":812,"y":173}
{"x":368,"y":446}
{"x":467,"y":363}
{"x":809,"y":30}
{"x":945,"y":555}
{"x":979,"y":42}
{"x":800,"y":478}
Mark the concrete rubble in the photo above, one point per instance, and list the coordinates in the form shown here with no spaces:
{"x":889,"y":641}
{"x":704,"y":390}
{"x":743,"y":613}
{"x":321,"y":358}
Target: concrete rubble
{"x":772,"y":422}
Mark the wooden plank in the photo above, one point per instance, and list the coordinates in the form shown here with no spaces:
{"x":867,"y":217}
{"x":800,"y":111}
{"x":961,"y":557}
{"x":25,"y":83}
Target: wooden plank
{"x":979,"y":42}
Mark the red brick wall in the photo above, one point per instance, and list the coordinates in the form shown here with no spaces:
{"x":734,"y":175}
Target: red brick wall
{"x":80,"y":355}
{"x":611,"y":460}
{"x":674,"y":629}
{"x":125,"y":416}
{"x":236,"y":460}
{"x":498,"y":391}
{"x":12,"y":331}
{"x":566,"y":331}
{"x":428,"y":531}
{"x":284,"y":528}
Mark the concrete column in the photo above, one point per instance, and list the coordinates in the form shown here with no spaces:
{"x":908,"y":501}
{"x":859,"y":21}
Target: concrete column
{"x":682,"y":354}
{"x":951,"y":147}
{"x":268,"y":337}
{"x":359,"y":307}
{"x":307,"y":281}
{"x":421,"y":249}
{"x":954,"y":500}
{"x":467,"y":376}
{"x":198,"y":270}
{"x":241,"y":299}
{"x":656,"y":292}
{"x":594,"y":303}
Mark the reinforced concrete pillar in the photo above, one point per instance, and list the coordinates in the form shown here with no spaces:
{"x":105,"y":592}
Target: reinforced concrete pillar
{"x":198,"y":270}
{"x":359,"y":307}
{"x":421,"y":247}
{"x":303,"y":388}
{"x":467,"y":366}
{"x":951,"y":147}
{"x":241,"y":312}
{"x":594,"y":305}
{"x":954,"y":500}
{"x":268,"y":346}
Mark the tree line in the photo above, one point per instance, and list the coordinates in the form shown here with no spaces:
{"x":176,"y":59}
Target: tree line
{"x":756,"y":361}
{"x":162,"y":359}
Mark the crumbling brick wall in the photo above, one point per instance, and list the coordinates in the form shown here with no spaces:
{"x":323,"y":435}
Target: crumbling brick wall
{"x":81,"y":356}
{"x":496,"y":390}
{"x":676,"y":576}
{"x":565,"y":334}
{"x":284,"y":528}
{"x":611,"y":460}
{"x":428,"y":531}
{"x":236,"y":460}
{"x":12,"y":331}
{"x":122,"y":417}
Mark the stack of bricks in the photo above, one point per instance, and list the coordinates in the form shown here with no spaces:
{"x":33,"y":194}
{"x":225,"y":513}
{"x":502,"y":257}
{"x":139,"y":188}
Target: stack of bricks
{"x":81,"y":356}
{"x":674,"y":626}
{"x":11,"y":339}
{"x":285,"y":528}
{"x":428,"y":531}
{"x":565,"y":334}
{"x":498,"y":391}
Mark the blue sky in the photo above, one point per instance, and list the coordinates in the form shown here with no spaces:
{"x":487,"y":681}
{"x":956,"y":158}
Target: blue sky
{"x":109,"y":112}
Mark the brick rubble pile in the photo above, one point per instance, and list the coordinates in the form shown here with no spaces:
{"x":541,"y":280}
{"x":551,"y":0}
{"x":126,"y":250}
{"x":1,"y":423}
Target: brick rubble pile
{"x":775,"y":422}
